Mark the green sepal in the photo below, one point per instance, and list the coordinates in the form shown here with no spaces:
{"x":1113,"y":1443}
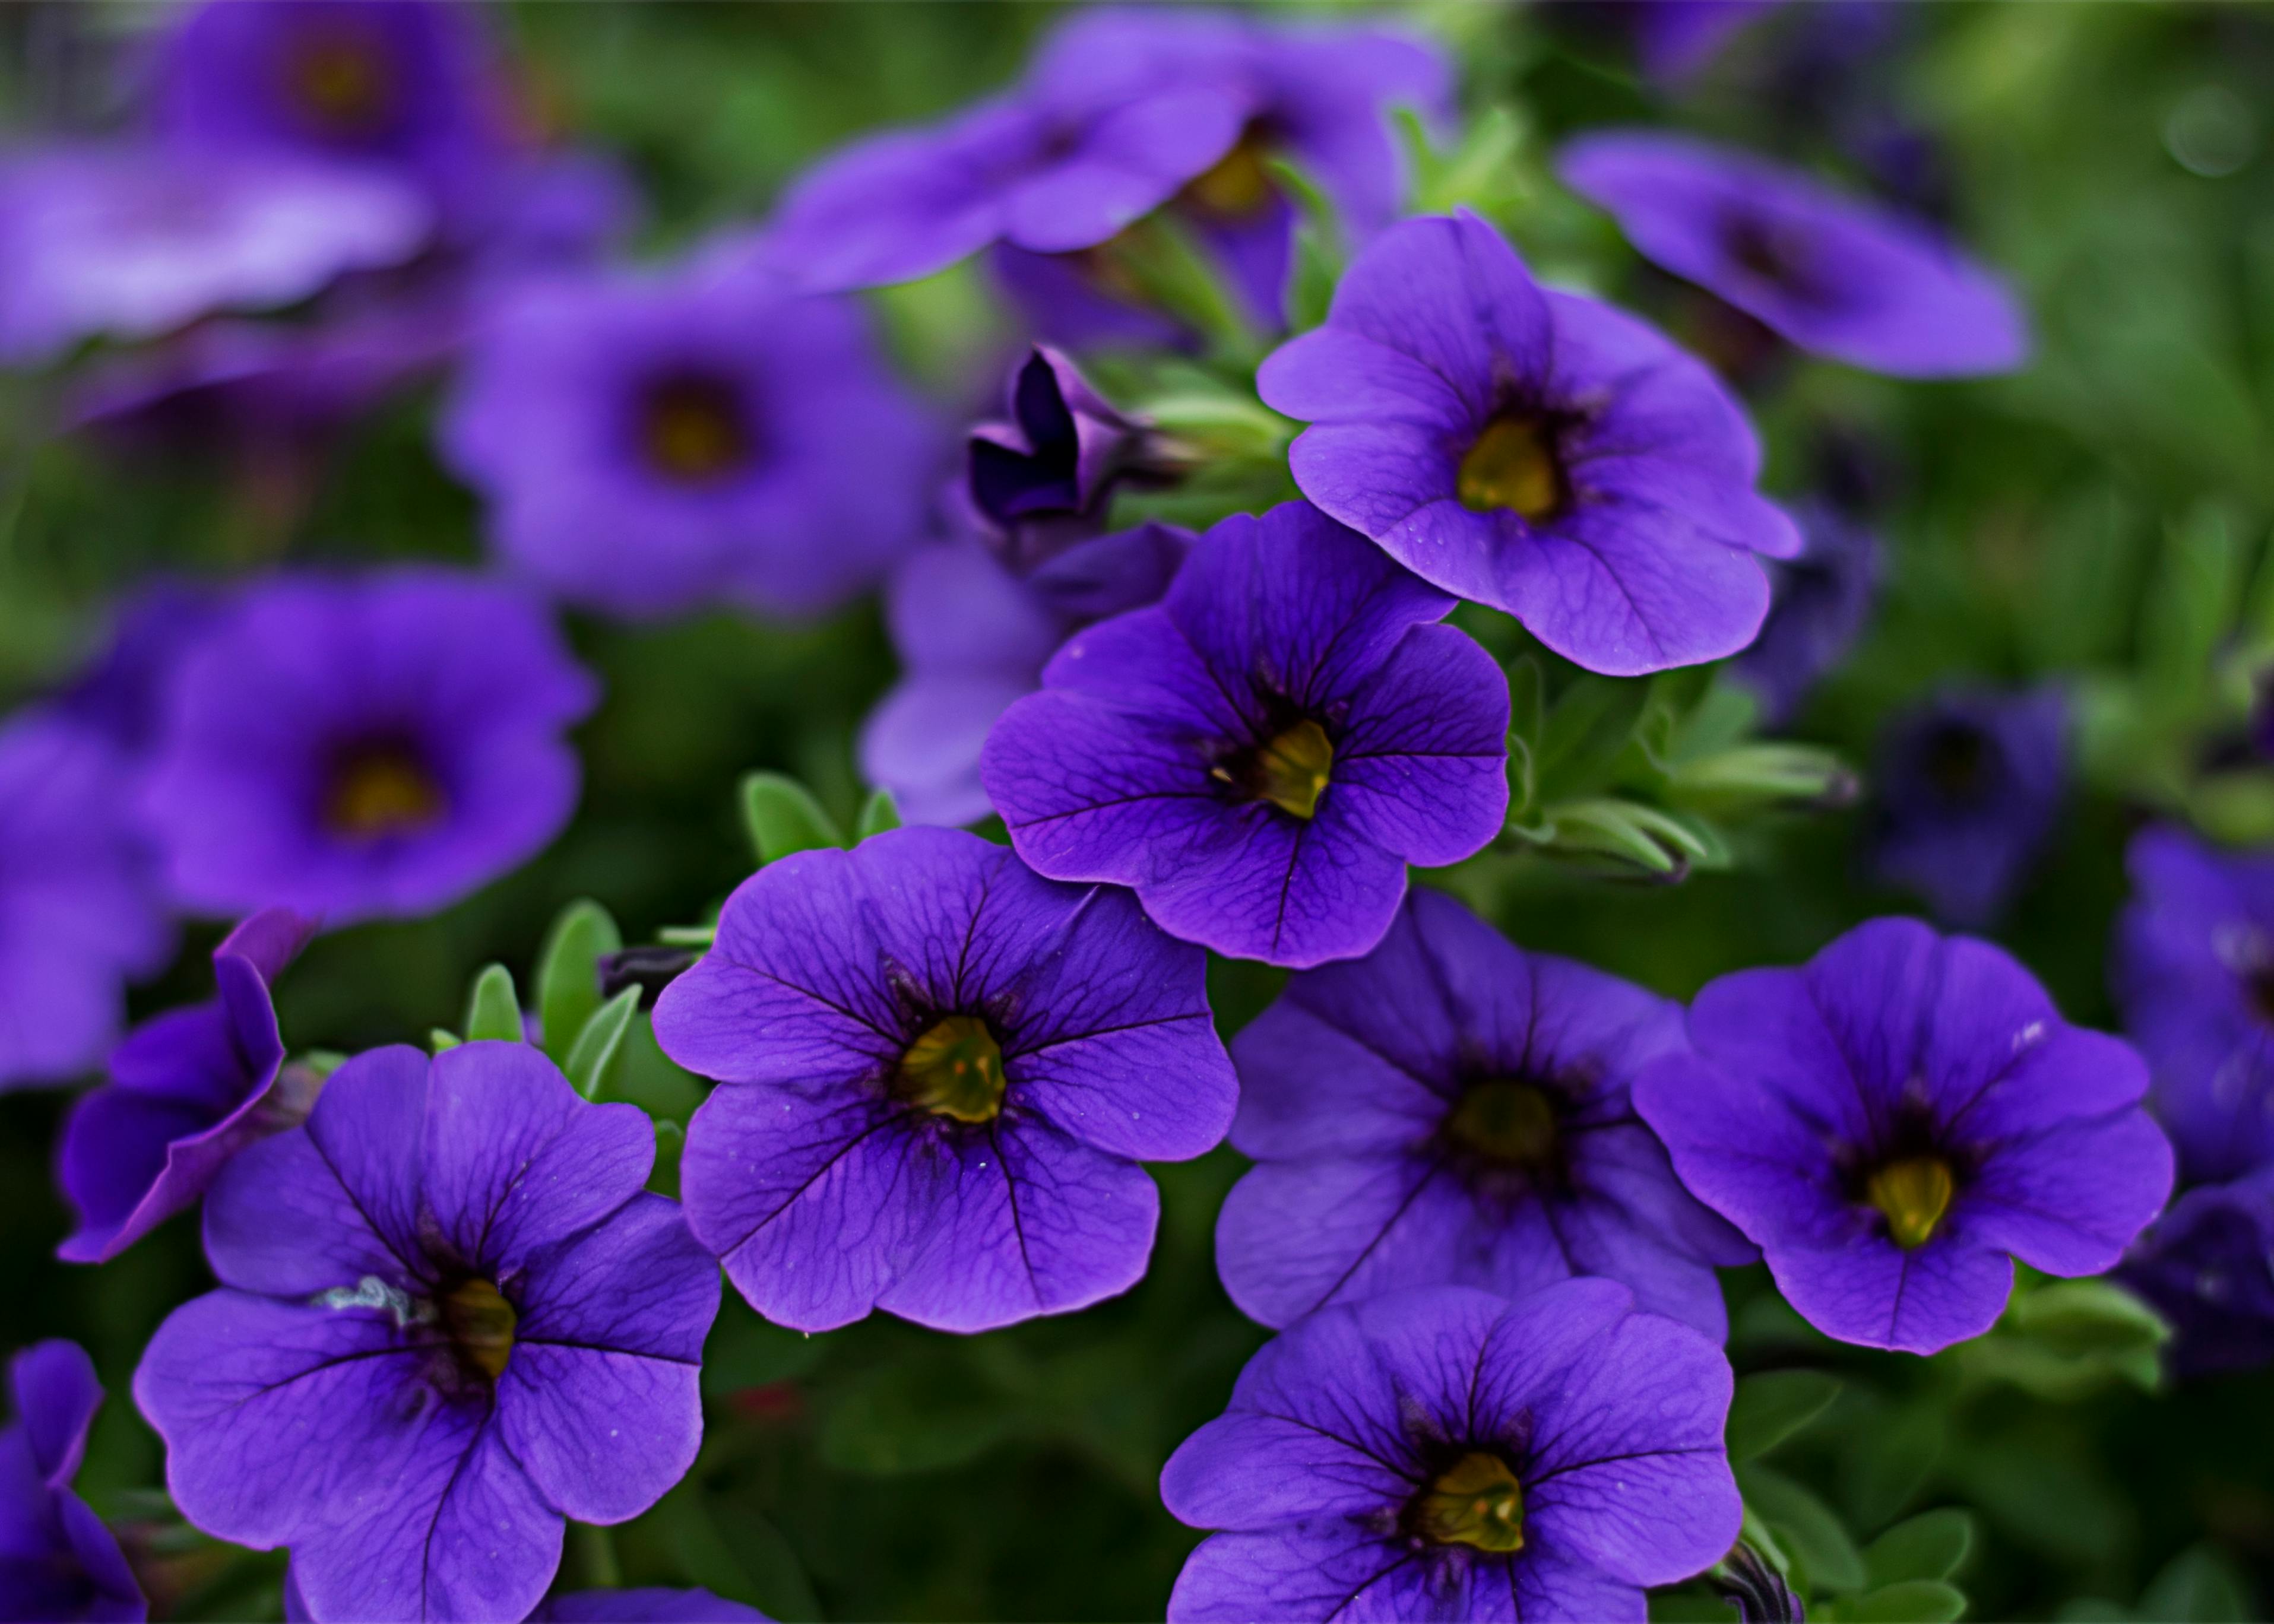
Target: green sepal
{"x":494,"y":1007}
{"x":878,"y":813}
{"x":440,"y":1038}
{"x":568,"y":973}
{"x":670,"y":1141}
{"x":2068,"y":1339}
{"x":1931,"y":1546}
{"x":1485,"y":169}
{"x":321,"y":1062}
{"x":782,"y":816}
{"x":596,"y":1045}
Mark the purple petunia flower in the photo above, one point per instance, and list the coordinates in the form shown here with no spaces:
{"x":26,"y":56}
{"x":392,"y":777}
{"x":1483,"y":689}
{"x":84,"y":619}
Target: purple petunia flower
{"x":132,"y":243}
{"x":1093,"y":137}
{"x":1320,"y":96}
{"x":1891,"y":1120}
{"x":2193,"y":970}
{"x":1261,"y":753}
{"x":352,"y":747}
{"x":1452,"y":1110}
{"x":650,"y":445}
{"x":1041,"y":479}
{"x":57,"y":1561}
{"x":973,"y":635}
{"x":2207,"y":1266}
{"x":1969,"y":785}
{"x":1677,"y":39}
{"x":408,"y":88}
{"x":188,"y":1090}
{"x":1831,"y":274}
{"x":1819,"y":604}
{"x":449,"y":1317}
{"x":940,"y":1073}
{"x":641,"y":1607}
{"x":1445,"y":1455}
{"x":1533,"y":450}
{"x":81,"y":912}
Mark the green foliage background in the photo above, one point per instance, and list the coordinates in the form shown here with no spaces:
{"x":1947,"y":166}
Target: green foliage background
{"x":2101,"y":520}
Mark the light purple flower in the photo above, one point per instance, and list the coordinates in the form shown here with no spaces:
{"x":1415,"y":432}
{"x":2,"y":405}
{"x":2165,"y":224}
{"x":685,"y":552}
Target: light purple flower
{"x":2193,"y":970}
{"x":57,"y":1561}
{"x":1093,"y":137}
{"x":449,"y":1317}
{"x":1318,"y":95}
{"x":80,"y":909}
{"x":1534,"y":450}
{"x":1833,"y":273}
{"x":1452,"y":1110}
{"x":359,"y":746}
{"x":1968,"y":784}
{"x":973,"y":635}
{"x":1892,"y":1120}
{"x":1444,"y":1454}
{"x":1261,"y":753}
{"x":133,"y":242}
{"x":940,"y":1073}
{"x":654,"y":444}
{"x":187,"y":1090}
{"x":412,"y":88}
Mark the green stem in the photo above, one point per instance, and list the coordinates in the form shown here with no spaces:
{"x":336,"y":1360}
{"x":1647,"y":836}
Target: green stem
{"x":596,"y":1550}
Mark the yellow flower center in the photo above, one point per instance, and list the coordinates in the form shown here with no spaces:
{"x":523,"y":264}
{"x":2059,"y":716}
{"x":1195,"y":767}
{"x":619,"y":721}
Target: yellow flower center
{"x":1477,"y":1502}
{"x":381,"y":791}
{"x":480,"y":1323}
{"x":953,"y":1069}
{"x":694,"y":430}
{"x":1236,"y":186}
{"x":342,"y":82}
{"x":1915,"y":1194}
{"x":1513,"y":465}
{"x":1290,"y":771}
{"x":1505,"y":1121}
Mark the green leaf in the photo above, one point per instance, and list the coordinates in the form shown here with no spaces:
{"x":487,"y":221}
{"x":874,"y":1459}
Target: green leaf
{"x":1914,"y":1601}
{"x":440,"y":1038}
{"x":921,"y":1414}
{"x":1319,"y":253}
{"x":754,"y":1566}
{"x":493,"y":1011}
{"x":744,"y":1350}
{"x":1584,"y":732}
{"x":2070,"y":1338}
{"x":568,"y":975}
{"x":1485,"y":169}
{"x":644,"y":1076}
{"x":1811,"y":1533}
{"x":1931,"y":1546}
{"x":2192,"y":600}
{"x":878,"y":813}
{"x":782,"y":816}
{"x":597,"y":1044}
{"x":670,"y":1141}
{"x":2198,"y":1586}
{"x":1771,"y":1407}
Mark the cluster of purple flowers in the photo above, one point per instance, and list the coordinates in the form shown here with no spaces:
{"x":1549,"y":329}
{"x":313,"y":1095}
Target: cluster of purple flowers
{"x":1490,"y":1187}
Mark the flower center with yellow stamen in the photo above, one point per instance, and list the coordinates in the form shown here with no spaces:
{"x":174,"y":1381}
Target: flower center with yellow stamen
{"x":694,"y":430}
{"x":1236,"y":186}
{"x":1915,"y":1194}
{"x":1291,"y":769}
{"x":1513,"y":465}
{"x":480,"y":1324}
{"x":343,"y":84}
{"x":1477,"y":1502}
{"x":379,"y":791}
{"x":1505,"y":1121}
{"x":953,"y":1069}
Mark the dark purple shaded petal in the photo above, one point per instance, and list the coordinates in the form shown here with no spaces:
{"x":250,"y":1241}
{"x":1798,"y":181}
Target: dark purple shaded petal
{"x":2207,"y":1266}
{"x":106,"y":1587}
{"x":55,"y":1396}
{"x":1831,"y":273}
{"x":1819,"y":604}
{"x":1333,"y":1568}
{"x":643,"y":1606}
{"x":1873,"y":1293}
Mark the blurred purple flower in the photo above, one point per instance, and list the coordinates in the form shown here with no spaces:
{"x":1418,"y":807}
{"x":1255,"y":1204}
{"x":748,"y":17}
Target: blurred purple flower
{"x":1833,"y":273}
{"x":653,"y":445}
{"x":940,"y":1073}
{"x":412,"y":88}
{"x":1893,"y":1119}
{"x":122,"y":694}
{"x":57,"y":1561}
{"x":449,"y":1317}
{"x":1445,"y":1455}
{"x":187,"y":1090}
{"x":1318,"y":95}
{"x":1262,"y":753}
{"x":1968,"y":786}
{"x":352,"y":747}
{"x":2207,"y":1266}
{"x":1677,"y":39}
{"x":973,"y":635}
{"x":132,"y":243}
{"x":1533,"y":450}
{"x":1818,"y":605}
{"x":2193,"y":970}
{"x":1452,"y":1110}
{"x":81,"y":912}
{"x":1042,"y":479}
{"x":1093,"y":137}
